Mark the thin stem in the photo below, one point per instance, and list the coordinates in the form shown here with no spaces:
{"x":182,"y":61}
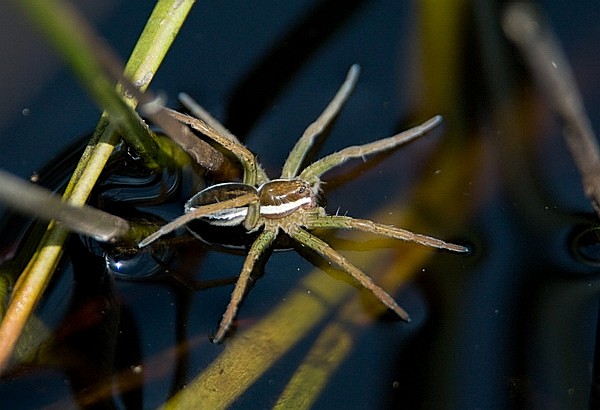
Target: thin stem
{"x":38,"y":272}
{"x":40,"y":202}
{"x":82,"y":48}
{"x":551,"y":69}
{"x":155,"y":41}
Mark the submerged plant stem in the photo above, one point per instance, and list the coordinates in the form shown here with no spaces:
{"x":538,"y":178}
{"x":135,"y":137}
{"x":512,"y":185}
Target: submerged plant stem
{"x":84,"y":51}
{"x":53,"y":18}
{"x":40,"y":202}
{"x":543,"y":53}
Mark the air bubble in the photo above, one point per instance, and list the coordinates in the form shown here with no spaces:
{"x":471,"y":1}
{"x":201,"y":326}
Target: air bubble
{"x":586,"y":245}
{"x":135,"y":265}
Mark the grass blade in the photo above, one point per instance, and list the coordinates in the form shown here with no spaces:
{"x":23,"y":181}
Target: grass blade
{"x":152,"y":46}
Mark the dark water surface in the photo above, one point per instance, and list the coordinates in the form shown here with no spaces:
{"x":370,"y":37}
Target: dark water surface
{"x":512,"y":324}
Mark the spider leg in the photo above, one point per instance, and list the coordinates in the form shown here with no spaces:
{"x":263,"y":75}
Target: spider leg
{"x":260,"y":245}
{"x":213,"y":129}
{"x":198,"y":213}
{"x":346,"y":222}
{"x":227,"y":141}
{"x":312,"y":172}
{"x":204,"y":115}
{"x":298,"y":153}
{"x":327,"y":252}
{"x":199,"y":111}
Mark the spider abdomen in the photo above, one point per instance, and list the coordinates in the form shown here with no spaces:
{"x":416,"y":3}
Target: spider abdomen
{"x":218,"y":193}
{"x":281,"y":197}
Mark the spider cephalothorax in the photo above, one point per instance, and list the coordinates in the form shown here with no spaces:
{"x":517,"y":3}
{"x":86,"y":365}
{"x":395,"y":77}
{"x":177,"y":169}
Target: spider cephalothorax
{"x":289,"y":203}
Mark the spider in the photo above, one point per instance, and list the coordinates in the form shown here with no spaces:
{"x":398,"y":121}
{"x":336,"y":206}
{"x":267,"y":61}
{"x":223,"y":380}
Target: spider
{"x":289,"y":203}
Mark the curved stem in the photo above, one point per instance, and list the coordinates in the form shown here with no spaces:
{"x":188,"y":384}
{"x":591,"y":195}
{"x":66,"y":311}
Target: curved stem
{"x":37,"y":274}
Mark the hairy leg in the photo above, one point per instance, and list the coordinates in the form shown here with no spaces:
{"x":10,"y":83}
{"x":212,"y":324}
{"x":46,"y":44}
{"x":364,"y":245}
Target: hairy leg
{"x":198,"y":213}
{"x":346,"y":222}
{"x":312,"y":172}
{"x":246,"y":158}
{"x":260,"y":245}
{"x":298,"y":153}
{"x":327,"y":252}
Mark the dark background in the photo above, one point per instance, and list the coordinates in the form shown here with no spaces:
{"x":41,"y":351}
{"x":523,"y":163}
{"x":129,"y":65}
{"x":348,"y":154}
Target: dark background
{"x":521,"y":329}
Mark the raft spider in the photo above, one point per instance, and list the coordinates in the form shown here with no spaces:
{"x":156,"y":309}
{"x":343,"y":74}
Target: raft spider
{"x":289,"y":203}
